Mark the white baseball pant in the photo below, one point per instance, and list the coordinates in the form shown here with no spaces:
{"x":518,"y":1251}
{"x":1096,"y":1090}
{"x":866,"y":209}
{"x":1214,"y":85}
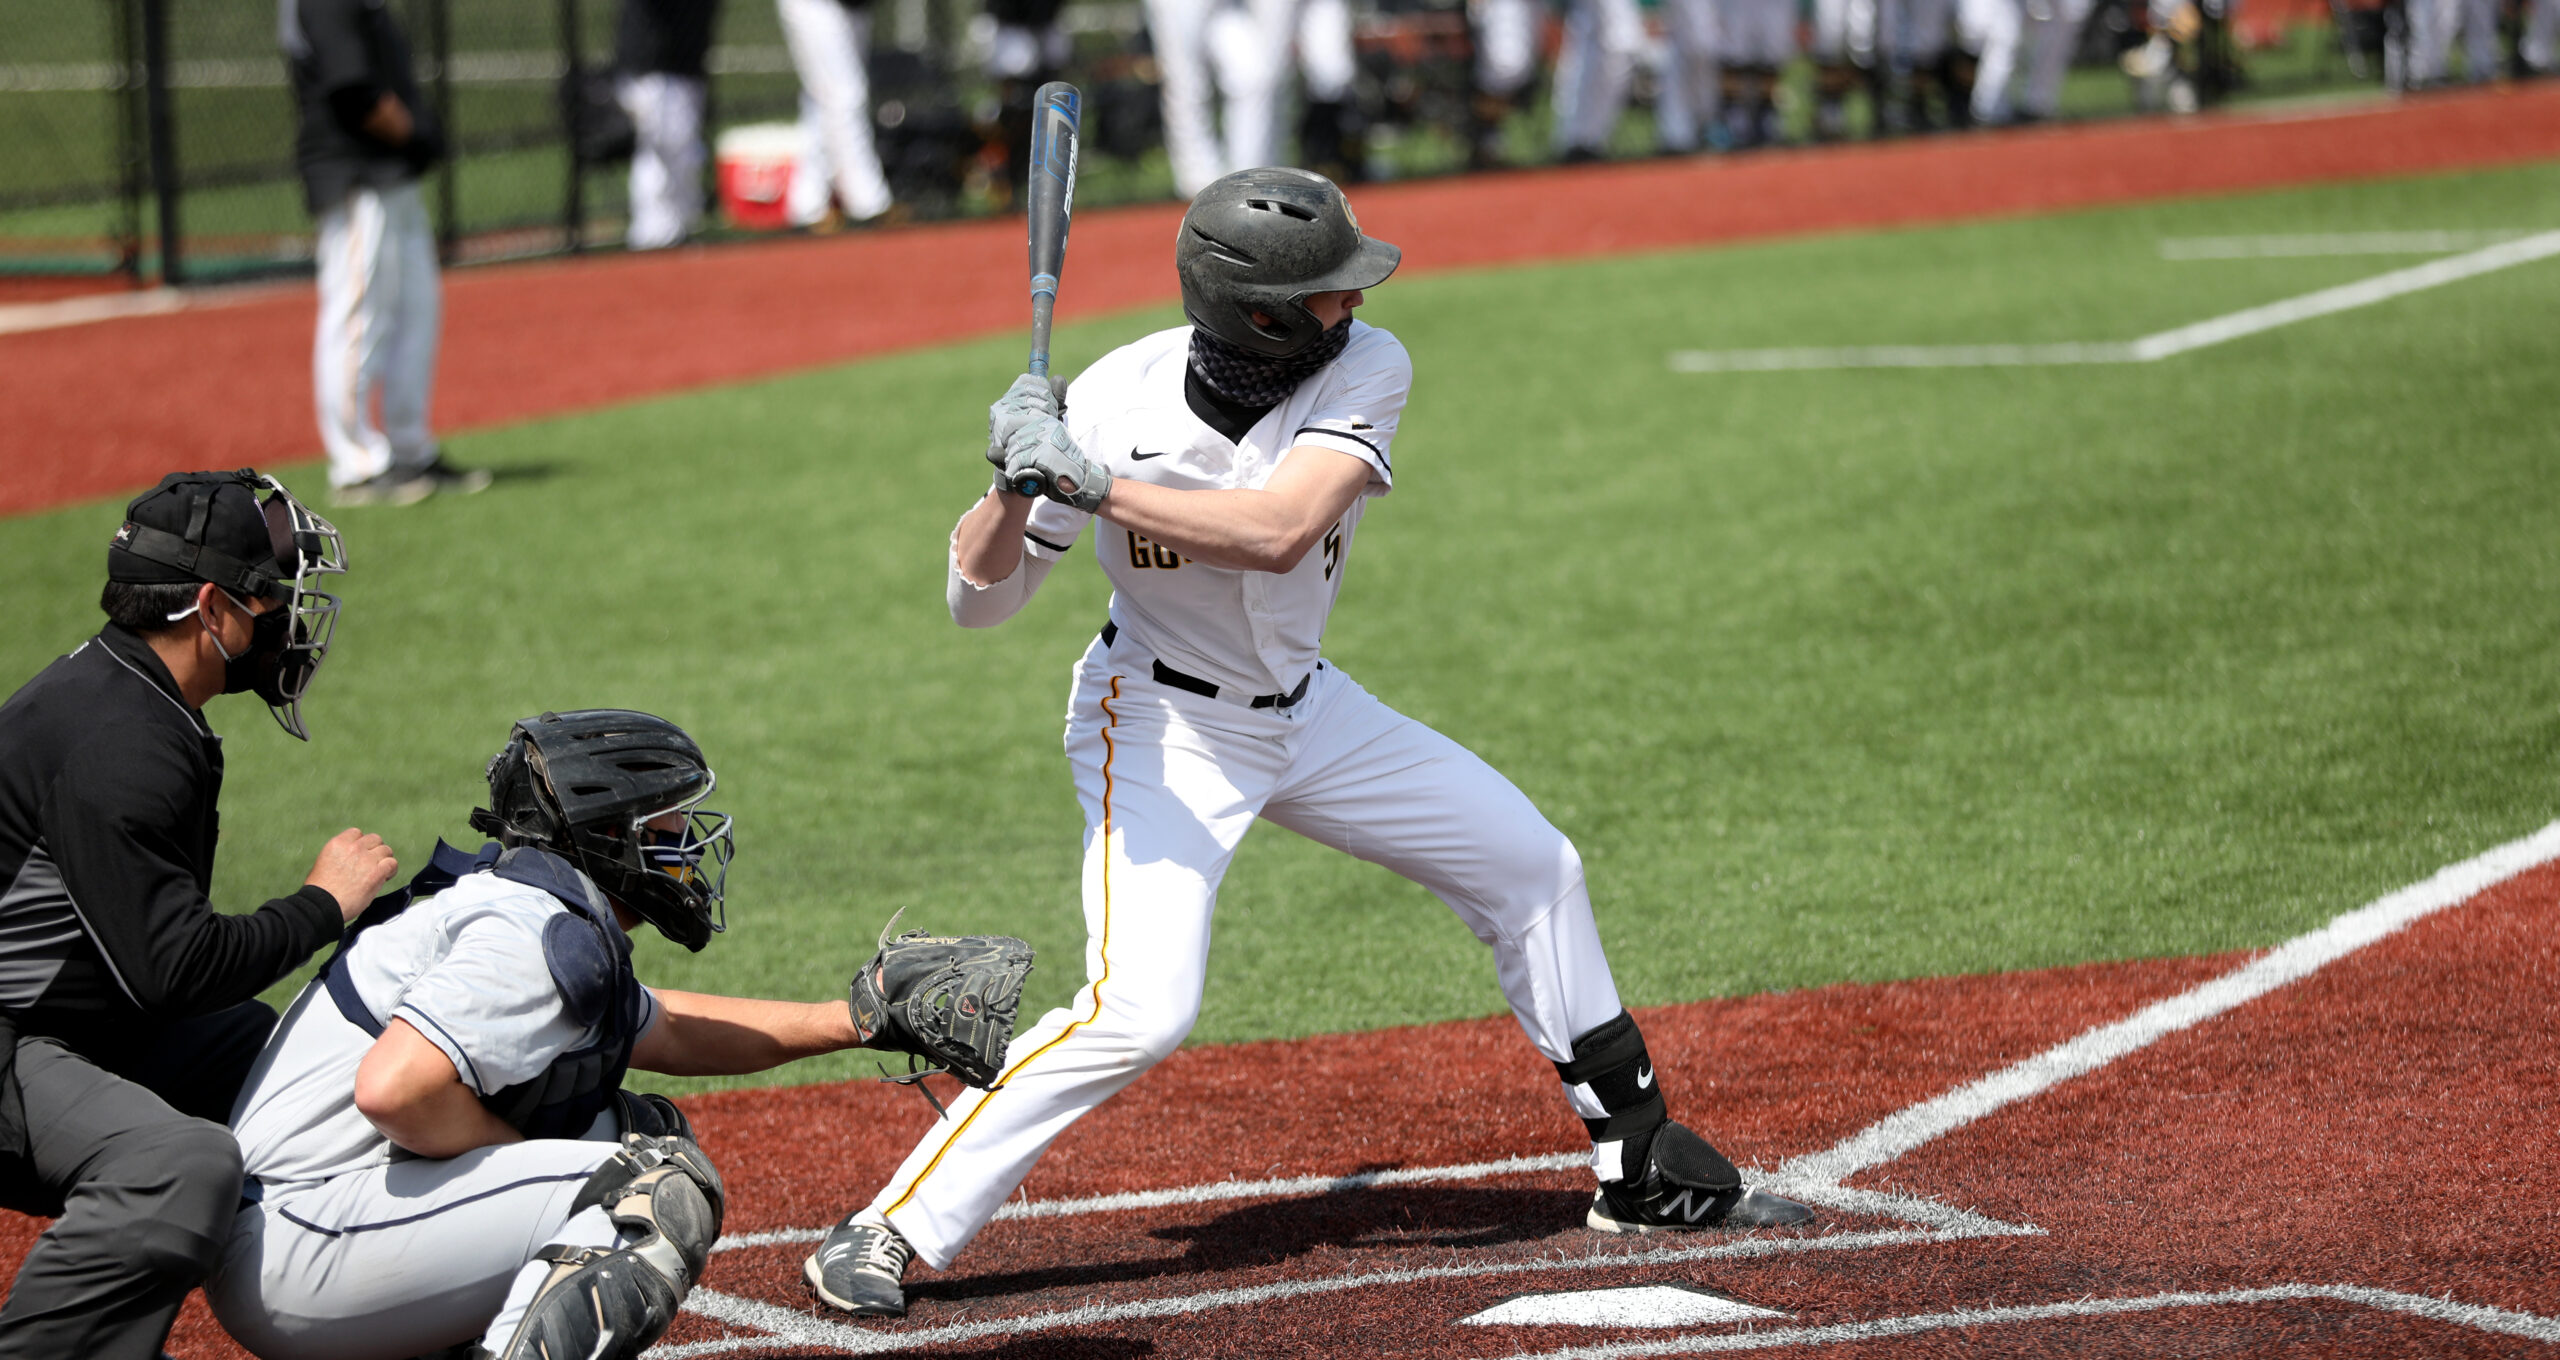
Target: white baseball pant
{"x":1170,"y":782}
{"x":1756,"y":32}
{"x":2540,"y":42}
{"x":1325,"y":57}
{"x":1844,"y":32}
{"x":405,"y":1259}
{"x":2053,"y":30}
{"x":1689,"y":88}
{"x":1990,"y":30}
{"x":1241,"y":45}
{"x":1603,"y":40}
{"x":381,"y":316}
{"x":1915,"y":31}
{"x":827,"y":42}
{"x":666,"y":160}
{"x":2432,"y":26}
{"x":1506,"y":39}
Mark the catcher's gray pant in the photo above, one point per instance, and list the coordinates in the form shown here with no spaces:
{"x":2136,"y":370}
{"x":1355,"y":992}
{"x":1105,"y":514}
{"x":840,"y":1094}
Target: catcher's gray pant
{"x":666,"y":158}
{"x":837,"y":158}
{"x":405,"y":1259}
{"x":381,"y":317}
{"x":1170,"y":782}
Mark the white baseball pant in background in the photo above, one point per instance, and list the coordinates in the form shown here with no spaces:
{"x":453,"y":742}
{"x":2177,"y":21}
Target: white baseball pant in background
{"x":2432,"y":26}
{"x":1990,"y":30}
{"x":1326,"y":61}
{"x":2053,"y":30}
{"x":1603,"y":41}
{"x":828,"y":42}
{"x":1689,"y":85}
{"x":666,"y":157}
{"x":2540,"y":44}
{"x":1170,"y":782}
{"x":1506,"y":38}
{"x":381,"y":317}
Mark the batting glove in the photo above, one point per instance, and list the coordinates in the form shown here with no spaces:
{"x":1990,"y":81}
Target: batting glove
{"x":1043,"y":460}
{"x":1031,"y":398}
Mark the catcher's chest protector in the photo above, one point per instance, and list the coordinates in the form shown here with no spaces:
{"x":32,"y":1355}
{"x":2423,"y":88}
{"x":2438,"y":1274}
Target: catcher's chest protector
{"x":590,"y":962}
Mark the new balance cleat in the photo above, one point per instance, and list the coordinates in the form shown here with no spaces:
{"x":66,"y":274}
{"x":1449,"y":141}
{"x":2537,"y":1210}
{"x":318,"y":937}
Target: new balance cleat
{"x":861,"y":1269}
{"x":1687,"y":1184}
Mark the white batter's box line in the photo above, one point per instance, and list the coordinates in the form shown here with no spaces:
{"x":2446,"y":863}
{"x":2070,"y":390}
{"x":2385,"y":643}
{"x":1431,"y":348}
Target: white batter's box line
{"x":1907,"y":1209}
{"x":2313,"y":245}
{"x":2505,"y":1322}
{"x":2149,"y":348}
{"x":2287,"y":963}
{"x":789,"y":1327}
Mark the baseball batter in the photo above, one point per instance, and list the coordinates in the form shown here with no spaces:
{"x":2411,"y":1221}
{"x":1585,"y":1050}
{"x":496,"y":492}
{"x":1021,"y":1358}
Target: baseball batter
{"x":1224,"y":468}
{"x":440,"y":1154}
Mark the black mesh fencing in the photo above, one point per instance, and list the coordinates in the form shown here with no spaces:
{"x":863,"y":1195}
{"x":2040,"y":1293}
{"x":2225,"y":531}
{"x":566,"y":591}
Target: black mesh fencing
{"x":155,"y":137}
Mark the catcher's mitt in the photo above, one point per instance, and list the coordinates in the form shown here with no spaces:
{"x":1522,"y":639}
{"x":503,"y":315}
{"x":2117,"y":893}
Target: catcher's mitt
{"x":946,"y":999}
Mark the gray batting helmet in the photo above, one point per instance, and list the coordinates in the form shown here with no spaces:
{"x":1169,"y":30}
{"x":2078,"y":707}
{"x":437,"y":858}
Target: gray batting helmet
{"x":1263,"y":241}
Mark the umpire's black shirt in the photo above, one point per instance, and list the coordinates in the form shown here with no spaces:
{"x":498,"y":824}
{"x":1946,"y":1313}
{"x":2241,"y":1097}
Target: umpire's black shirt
{"x":342,"y":56}
{"x":107,"y":826}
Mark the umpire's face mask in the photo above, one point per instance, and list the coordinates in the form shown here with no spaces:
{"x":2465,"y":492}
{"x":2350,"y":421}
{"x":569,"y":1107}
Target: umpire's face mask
{"x":260,"y":665}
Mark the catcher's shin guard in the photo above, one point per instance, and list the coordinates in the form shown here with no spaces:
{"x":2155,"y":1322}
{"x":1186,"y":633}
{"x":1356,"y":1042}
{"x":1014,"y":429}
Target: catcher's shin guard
{"x":666,"y":1199}
{"x":1611,"y":1083}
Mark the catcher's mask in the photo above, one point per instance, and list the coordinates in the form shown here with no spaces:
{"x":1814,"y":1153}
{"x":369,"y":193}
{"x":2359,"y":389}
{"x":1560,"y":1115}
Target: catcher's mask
{"x":619,"y":794}
{"x":245,"y":533}
{"x":1265,"y":241}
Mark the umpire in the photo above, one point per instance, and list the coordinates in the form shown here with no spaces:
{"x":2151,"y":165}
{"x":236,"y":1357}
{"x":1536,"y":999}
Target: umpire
{"x":128,"y":1017}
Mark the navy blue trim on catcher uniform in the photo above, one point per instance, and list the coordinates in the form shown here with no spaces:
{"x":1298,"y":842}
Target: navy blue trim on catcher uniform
{"x":590,"y":961}
{"x":298,"y":1221}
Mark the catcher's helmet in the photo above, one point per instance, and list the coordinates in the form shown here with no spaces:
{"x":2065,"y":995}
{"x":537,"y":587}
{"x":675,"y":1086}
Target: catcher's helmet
{"x":588,"y":785}
{"x":1263,"y":241}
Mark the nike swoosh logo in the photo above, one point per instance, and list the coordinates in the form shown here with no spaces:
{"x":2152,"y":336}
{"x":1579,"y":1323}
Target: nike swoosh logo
{"x":1137,"y":457}
{"x":1644,"y":1078}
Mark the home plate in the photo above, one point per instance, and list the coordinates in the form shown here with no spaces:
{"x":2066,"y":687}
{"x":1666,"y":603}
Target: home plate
{"x":1652,"y":1305}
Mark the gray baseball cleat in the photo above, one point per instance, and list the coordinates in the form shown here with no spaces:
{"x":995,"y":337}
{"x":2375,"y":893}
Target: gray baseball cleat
{"x":860,"y":1269}
{"x":1688,"y":1184}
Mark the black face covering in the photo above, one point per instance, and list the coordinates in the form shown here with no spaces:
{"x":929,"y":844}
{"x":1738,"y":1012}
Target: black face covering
{"x":259,"y":666}
{"x":1241,"y":375}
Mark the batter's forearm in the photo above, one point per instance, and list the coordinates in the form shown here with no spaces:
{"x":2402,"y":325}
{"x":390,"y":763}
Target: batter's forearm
{"x":988,"y":544}
{"x":699,"y":1035}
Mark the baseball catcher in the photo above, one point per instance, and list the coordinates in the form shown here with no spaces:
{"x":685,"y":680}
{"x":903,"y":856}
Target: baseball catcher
{"x":450,"y":1089}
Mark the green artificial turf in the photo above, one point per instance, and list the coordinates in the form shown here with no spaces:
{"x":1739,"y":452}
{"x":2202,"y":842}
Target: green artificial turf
{"x":1830,"y":675}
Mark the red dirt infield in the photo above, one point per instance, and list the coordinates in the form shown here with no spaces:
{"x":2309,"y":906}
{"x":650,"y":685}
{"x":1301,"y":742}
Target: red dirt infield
{"x":2358,"y":1162}
{"x":110,"y":406}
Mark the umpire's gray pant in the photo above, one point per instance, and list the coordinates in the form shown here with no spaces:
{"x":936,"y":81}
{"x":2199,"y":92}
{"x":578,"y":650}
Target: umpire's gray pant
{"x":143,"y":1185}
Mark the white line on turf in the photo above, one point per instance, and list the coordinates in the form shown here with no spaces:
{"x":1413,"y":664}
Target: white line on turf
{"x":1815,"y":1177}
{"x":2328,"y":243}
{"x":1900,"y":1133}
{"x":791,"y":1327}
{"x":2530,"y":1325}
{"x":2148,"y":349}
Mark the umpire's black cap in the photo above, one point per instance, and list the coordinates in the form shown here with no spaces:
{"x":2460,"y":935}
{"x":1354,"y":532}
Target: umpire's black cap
{"x":206,"y":526}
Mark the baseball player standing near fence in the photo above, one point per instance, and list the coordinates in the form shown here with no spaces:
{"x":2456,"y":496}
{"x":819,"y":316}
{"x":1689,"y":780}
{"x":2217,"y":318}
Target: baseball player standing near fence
{"x":1224,"y":467}
{"x":441,"y":1156}
{"x":364,"y":140}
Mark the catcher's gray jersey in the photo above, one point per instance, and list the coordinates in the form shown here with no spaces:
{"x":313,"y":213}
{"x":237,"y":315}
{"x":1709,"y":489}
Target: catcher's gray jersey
{"x":465,"y":969}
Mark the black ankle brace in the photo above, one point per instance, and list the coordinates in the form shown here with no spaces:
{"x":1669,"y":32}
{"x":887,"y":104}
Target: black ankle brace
{"x":1610,"y":1063}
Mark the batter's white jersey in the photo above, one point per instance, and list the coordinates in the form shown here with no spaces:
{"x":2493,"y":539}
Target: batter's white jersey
{"x":1202,"y":709}
{"x":1251,"y":631}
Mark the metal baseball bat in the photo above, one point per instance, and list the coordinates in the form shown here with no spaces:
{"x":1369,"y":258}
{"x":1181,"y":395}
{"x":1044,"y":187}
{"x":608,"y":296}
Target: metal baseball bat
{"x":1057,"y":110}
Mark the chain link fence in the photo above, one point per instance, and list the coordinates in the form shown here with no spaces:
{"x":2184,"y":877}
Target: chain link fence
{"x":155,"y":137}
